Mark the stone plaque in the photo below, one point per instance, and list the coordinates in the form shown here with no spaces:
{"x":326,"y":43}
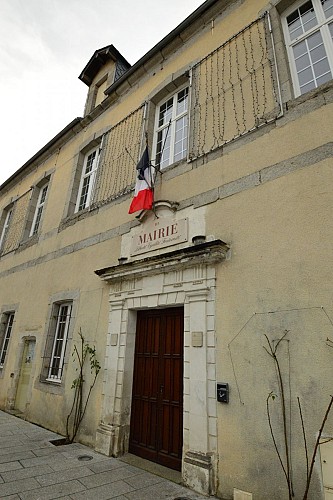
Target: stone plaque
{"x":159,"y":233}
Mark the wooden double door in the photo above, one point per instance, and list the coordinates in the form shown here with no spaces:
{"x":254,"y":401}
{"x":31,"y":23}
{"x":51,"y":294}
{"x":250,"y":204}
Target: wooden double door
{"x":157,"y":398}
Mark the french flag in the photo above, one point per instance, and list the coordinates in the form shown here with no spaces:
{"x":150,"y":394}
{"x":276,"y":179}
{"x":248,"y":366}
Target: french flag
{"x":143,"y":196}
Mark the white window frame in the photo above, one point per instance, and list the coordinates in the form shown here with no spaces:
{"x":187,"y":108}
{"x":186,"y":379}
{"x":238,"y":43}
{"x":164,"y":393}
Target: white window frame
{"x":6,"y":226}
{"x":39,"y":209}
{"x":87,"y":181}
{"x":7,"y":333}
{"x":60,"y":339}
{"x":171,"y":129}
{"x":322,"y":26}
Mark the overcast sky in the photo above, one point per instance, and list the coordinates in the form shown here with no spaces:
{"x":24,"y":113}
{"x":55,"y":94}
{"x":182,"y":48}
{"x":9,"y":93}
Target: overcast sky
{"x":45,"y":44}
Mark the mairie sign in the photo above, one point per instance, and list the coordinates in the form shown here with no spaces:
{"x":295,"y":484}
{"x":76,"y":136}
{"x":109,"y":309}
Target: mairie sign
{"x":159,"y":233}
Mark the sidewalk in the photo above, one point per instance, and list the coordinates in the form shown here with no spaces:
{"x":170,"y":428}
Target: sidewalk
{"x":31,"y":468}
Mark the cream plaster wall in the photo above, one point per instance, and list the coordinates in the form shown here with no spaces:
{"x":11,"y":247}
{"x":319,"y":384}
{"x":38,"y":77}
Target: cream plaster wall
{"x":280,"y":235}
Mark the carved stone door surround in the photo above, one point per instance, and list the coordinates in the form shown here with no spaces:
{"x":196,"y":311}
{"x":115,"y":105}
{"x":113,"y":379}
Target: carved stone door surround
{"x":184,"y":277}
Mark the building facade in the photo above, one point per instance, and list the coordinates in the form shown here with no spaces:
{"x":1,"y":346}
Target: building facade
{"x":211,"y":314}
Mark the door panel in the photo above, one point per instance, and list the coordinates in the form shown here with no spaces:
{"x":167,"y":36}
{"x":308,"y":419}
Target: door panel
{"x":157,"y":398}
{"x":25,"y":374}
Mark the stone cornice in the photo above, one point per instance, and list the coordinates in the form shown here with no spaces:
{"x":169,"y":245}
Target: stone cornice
{"x":211,"y":252}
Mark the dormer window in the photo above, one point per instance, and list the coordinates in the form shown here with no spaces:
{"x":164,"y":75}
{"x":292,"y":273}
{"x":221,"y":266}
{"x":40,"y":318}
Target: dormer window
{"x":99,"y":91}
{"x":104,"y":68}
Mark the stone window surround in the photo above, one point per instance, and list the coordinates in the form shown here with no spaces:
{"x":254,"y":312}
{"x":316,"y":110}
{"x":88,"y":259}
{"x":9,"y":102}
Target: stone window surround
{"x":48,"y":336}
{"x":276,"y":10}
{"x":6,"y":215}
{"x":36,"y":189}
{"x":4,"y":312}
{"x":93,"y":141}
{"x":185,"y":277}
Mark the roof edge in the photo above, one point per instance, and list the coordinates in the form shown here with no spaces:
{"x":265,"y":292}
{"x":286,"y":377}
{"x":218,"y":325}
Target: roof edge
{"x":162,"y":43}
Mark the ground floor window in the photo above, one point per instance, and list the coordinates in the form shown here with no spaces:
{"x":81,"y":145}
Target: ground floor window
{"x":61,"y":321}
{"x":7,"y":330}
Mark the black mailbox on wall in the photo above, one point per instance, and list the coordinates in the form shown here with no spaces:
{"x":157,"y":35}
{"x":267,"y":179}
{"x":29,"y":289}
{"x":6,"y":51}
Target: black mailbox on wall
{"x":222,"y":392}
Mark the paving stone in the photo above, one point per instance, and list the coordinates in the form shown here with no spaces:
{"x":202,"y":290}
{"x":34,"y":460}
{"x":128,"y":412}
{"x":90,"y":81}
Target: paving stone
{"x":60,"y":477}
{"x":37,"y":470}
{"x":105,"y":465}
{"x":10,"y":466}
{"x":143,"y":480}
{"x":23,"y":473}
{"x":33,"y":460}
{"x":109,"y":476}
{"x":105,"y":492}
{"x":46,"y":451}
{"x":58,"y":466}
{"x":9,"y":442}
{"x":164,"y":490}
{"x":54,"y":491}
{"x":18,"y":486}
{"x":12,"y":457}
{"x":19,"y":449}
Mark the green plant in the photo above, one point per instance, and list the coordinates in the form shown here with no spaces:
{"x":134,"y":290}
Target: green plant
{"x":83,"y":355}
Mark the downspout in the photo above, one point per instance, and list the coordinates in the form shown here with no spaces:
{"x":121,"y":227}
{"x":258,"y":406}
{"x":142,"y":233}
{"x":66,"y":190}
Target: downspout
{"x":275,"y":66}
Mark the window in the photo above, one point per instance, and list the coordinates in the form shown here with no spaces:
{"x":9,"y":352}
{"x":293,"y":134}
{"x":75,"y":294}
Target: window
{"x":308,"y":29}
{"x":7,"y":215}
{"x":62,"y":316}
{"x":39,"y":210}
{"x":171,"y":129}
{"x":86,"y":187}
{"x":7,"y":330}
{"x":100,"y":88}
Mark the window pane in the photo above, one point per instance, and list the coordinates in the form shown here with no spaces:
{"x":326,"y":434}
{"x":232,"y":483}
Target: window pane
{"x":59,"y":344}
{"x":181,"y":139}
{"x":328,"y":7}
{"x":7,"y":334}
{"x":84,"y":193}
{"x":311,"y":62}
{"x":315,"y":40}
{"x":305,"y":76}
{"x":301,"y":20}
{"x":324,"y":78}
{"x":302,"y":62}
{"x":165,"y":112}
{"x":90,"y":162}
{"x":38,"y":218}
{"x":182,"y":101}
{"x":163,"y":143}
{"x":322,"y":68}
{"x":331,"y":29}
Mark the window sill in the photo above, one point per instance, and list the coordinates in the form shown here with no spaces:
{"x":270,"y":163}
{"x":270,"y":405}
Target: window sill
{"x":50,"y":386}
{"x":313,"y":94}
{"x":70,"y":220}
{"x":52,"y":381}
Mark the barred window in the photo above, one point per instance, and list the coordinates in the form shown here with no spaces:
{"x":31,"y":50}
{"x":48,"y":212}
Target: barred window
{"x":308,"y":28}
{"x":7,"y":327}
{"x":59,"y":333}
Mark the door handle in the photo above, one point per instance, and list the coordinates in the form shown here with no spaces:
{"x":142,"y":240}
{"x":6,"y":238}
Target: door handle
{"x":161,"y":388}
